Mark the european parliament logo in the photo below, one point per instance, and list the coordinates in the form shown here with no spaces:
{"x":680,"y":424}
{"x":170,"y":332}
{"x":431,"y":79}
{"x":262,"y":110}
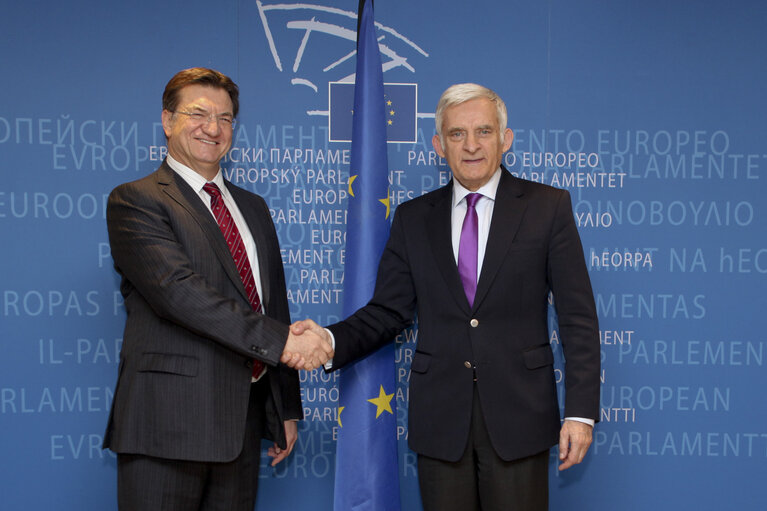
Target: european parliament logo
{"x":400,"y":100}
{"x":296,"y":25}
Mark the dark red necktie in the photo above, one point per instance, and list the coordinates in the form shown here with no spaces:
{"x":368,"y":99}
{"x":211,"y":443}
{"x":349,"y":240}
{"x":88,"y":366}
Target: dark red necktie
{"x":237,"y":248}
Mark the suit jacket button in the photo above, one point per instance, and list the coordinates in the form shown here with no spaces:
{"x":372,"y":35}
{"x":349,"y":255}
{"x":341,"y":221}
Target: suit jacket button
{"x":254,"y":348}
{"x":474,"y":323}
{"x":467,"y":364}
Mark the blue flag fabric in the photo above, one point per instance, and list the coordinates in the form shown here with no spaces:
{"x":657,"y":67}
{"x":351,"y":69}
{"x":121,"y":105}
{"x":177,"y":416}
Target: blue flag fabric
{"x":367,"y":477}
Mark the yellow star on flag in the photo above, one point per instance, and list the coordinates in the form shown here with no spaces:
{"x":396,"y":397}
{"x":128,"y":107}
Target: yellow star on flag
{"x":340,"y":409}
{"x":385,"y":202}
{"x":382,"y":402}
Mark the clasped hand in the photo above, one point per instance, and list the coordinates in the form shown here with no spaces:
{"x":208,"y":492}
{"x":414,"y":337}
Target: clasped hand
{"x":308,"y":346}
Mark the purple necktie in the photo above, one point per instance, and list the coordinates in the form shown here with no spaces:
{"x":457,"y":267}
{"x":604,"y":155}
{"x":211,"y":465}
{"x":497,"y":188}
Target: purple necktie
{"x":467,"y":248}
{"x":240,"y":256}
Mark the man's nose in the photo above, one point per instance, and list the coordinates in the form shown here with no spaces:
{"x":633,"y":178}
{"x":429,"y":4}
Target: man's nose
{"x":212,"y":126}
{"x":470,"y":143}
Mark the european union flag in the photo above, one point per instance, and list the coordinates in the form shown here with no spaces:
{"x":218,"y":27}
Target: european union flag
{"x":400,"y":100}
{"x":401,"y":108}
{"x":367,"y":477}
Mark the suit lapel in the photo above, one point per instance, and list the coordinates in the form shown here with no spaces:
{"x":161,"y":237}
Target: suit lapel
{"x":441,"y":243}
{"x":508,"y":210}
{"x":178,"y":190}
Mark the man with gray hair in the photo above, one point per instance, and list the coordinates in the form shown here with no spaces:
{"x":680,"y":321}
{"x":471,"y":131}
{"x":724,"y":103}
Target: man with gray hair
{"x":476,"y":261}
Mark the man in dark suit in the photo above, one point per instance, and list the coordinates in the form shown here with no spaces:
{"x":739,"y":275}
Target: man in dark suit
{"x":476,"y":261}
{"x":200,"y":381}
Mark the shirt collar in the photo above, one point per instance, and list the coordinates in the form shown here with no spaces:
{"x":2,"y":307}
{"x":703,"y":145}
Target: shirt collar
{"x":487,"y":190}
{"x":195,"y":180}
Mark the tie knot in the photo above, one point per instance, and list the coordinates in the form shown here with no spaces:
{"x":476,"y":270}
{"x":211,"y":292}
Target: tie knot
{"x":212,"y":189}
{"x":472,"y":198}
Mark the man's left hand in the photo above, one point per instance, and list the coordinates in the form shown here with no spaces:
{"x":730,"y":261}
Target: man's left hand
{"x":291,"y":435}
{"x":574,"y":441}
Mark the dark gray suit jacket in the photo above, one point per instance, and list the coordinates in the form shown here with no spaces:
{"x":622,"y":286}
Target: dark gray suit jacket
{"x":190,"y":334}
{"x":533,"y":248}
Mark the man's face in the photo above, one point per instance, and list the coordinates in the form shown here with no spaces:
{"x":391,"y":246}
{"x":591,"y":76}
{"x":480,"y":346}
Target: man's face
{"x":197,"y":138}
{"x":473,"y":147}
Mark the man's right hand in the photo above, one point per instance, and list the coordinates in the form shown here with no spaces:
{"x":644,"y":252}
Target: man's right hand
{"x":308,"y":346}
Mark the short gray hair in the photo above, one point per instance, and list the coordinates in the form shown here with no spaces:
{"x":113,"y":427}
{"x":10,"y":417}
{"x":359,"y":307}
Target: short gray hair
{"x":463,"y":92}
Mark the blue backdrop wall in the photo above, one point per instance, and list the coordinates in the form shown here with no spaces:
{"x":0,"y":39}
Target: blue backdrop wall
{"x":651,"y":113}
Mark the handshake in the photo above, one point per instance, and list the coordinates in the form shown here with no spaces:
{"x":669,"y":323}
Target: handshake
{"x":308,"y":346}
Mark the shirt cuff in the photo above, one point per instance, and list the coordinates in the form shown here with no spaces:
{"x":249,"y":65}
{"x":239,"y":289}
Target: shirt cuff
{"x":329,"y":364}
{"x":590,"y":422}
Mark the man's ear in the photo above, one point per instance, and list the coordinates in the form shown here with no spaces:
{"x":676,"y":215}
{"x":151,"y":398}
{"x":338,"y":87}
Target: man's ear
{"x":508,"y":138}
{"x":167,"y":116}
{"x":437,"y":143}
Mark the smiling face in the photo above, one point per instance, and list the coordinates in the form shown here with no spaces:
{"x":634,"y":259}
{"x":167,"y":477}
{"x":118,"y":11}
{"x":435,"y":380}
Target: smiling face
{"x":199,"y":145}
{"x":473,"y":142}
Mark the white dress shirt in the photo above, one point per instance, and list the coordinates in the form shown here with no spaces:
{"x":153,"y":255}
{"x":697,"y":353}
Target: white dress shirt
{"x":484,"y":208}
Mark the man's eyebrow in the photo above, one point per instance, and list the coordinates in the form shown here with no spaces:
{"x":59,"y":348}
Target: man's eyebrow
{"x":202,"y":109}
